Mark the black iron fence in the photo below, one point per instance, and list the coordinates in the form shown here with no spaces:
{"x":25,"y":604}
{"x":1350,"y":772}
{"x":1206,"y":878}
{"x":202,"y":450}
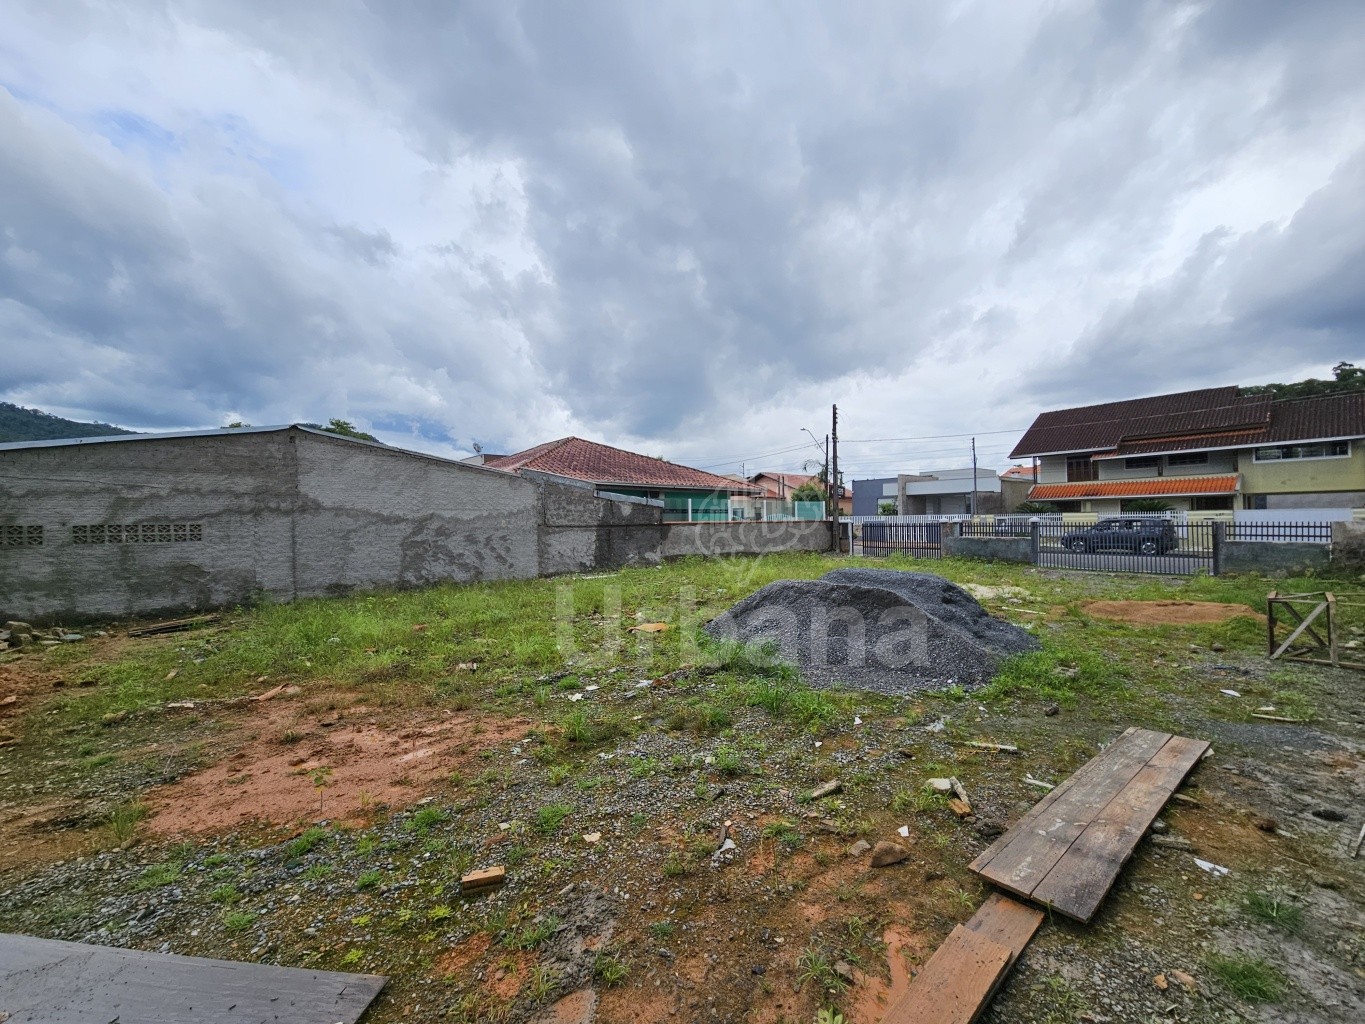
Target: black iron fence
{"x":1130,"y":545}
{"x":1165,"y":545}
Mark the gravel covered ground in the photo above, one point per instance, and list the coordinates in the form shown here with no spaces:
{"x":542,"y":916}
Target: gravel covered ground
{"x":609,"y":786}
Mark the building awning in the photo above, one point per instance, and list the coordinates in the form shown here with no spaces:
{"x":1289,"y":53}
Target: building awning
{"x":1167,"y":487}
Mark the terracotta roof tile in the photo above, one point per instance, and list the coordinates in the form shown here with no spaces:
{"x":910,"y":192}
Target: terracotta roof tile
{"x":1166,"y":487}
{"x":601,"y":464}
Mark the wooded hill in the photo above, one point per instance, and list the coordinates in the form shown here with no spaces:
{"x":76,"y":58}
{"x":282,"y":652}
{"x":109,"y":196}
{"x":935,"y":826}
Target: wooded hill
{"x":20,"y":424}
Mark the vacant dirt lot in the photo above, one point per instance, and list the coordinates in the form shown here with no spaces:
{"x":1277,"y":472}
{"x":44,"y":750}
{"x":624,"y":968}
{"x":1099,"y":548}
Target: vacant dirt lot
{"x":409,"y":738}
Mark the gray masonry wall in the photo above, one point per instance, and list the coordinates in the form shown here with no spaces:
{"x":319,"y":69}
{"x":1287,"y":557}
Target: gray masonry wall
{"x":580,"y":532}
{"x":711,"y":539}
{"x":370,"y":516}
{"x":994,"y":549}
{"x":1273,"y":558}
{"x":217,"y":511}
{"x":171,"y":524}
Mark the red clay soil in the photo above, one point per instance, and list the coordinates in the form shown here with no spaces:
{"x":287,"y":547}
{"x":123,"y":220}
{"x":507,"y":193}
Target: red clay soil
{"x":1166,"y":613}
{"x":272,"y":777}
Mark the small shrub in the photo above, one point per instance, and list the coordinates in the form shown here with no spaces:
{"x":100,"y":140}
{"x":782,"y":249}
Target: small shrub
{"x":559,"y":774}
{"x":674,"y":866}
{"x":661,"y":929}
{"x":727,"y":761}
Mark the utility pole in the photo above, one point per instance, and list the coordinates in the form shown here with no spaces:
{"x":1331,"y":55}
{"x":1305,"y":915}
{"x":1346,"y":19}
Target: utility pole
{"x":973,"y":476}
{"x":832,"y":483}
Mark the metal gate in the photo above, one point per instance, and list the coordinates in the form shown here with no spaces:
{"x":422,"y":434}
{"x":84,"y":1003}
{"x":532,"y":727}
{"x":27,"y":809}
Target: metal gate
{"x":918,"y":540}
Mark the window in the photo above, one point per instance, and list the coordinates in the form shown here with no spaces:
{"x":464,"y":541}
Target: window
{"x":1325,"y":450}
{"x":145,"y":533}
{"x":1143,"y":462}
{"x":1188,"y":459}
{"x":21,"y":536}
{"x":1211,"y":503}
{"x":1079,"y":469}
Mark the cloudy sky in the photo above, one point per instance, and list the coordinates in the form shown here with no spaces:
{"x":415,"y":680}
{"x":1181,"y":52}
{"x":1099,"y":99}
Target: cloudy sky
{"x":685,"y":228}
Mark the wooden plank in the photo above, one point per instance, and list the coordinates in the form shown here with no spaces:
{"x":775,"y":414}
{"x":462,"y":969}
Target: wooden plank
{"x":484,"y":879}
{"x":74,"y":983}
{"x":1007,"y":922}
{"x":1023,"y":824}
{"x":1304,"y":624}
{"x":960,"y":978}
{"x":1081,"y":879}
{"x":957,"y":982}
{"x":1020,"y":864}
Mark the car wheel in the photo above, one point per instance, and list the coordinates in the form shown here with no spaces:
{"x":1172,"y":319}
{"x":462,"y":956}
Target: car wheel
{"x":1078,"y":545}
{"x":1149,"y":547}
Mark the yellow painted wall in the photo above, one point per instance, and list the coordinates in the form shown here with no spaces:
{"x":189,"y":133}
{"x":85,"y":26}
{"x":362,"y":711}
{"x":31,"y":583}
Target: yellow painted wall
{"x":1303,"y":475}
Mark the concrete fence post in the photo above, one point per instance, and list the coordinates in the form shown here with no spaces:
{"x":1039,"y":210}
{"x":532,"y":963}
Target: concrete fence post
{"x":1220,"y":531}
{"x":1034,"y":532}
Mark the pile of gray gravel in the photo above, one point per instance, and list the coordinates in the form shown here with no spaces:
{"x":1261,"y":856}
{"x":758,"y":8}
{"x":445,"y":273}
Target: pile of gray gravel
{"x":875,"y":629}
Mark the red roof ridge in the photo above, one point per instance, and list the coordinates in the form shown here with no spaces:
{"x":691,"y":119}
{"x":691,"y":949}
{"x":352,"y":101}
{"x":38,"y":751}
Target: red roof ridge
{"x":605,"y":465}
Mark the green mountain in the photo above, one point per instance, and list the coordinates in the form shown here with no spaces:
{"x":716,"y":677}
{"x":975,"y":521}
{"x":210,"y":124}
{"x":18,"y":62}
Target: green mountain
{"x":20,"y":424}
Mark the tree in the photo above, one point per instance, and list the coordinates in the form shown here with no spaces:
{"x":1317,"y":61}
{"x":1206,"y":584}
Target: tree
{"x":343,"y":427}
{"x":1346,"y":377}
{"x":886,"y":508}
{"x":809,"y":491}
{"x":1035,"y":508}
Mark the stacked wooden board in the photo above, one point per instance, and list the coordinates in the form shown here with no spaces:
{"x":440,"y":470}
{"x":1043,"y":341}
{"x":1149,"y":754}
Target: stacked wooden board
{"x":1068,"y":850}
{"x":1065,"y":854}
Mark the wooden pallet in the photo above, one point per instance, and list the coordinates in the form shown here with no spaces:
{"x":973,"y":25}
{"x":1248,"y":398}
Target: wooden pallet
{"x":961,"y":977}
{"x":1068,"y":850}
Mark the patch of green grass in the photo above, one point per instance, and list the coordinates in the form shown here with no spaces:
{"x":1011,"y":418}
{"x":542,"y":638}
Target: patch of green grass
{"x":608,"y":970}
{"x":549,"y":817}
{"x":1276,"y":910}
{"x":1249,"y":979}
{"x":559,"y":774}
{"x":368,"y":880}
{"x":305,"y":843}
{"x":661,"y":929}
{"x":785,"y":832}
{"x":157,"y":875}
{"x":317,"y":872}
{"x":123,"y":820}
{"x":532,"y":936}
{"x":674,"y":866}
{"x":815,"y":965}
{"x":727,"y":761}
{"x":225,"y":894}
{"x":238,"y":920}
{"x":425,"y":819}
{"x":216,"y":860}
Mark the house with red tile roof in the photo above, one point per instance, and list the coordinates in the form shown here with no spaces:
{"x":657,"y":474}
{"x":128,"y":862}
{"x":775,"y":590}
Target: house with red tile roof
{"x":686,"y":494}
{"x":1214,"y":449}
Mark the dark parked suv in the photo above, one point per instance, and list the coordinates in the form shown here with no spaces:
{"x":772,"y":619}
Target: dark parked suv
{"x":1135,"y":536}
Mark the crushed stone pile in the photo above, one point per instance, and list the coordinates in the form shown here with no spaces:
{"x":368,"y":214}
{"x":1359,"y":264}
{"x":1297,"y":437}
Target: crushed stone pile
{"x":876,"y":629}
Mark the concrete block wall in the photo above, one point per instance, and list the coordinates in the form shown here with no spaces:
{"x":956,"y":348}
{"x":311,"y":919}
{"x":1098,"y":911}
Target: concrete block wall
{"x":713,"y":539}
{"x":370,"y":516}
{"x":1273,"y":558}
{"x":991,"y":549}
{"x":217,"y":513}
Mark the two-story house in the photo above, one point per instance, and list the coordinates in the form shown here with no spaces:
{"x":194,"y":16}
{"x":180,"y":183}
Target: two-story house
{"x":1211,"y":449}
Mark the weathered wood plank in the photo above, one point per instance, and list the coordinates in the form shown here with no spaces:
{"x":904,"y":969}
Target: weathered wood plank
{"x":957,"y":982}
{"x":1006,"y":921}
{"x":1079,"y":881}
{"x":74,"y":983}
{"x":961,"y":977}
{"x":1052,"y":826}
